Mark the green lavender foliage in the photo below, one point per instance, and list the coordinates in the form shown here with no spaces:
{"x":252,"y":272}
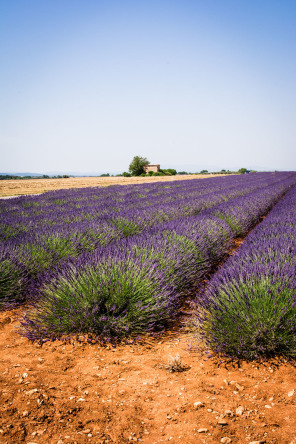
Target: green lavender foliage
{"x":12,"y":282}
{"x":110,"y":297}
{"x":254,"y":318}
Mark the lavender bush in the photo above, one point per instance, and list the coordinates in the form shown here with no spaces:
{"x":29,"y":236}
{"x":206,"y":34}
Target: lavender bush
{"x":249,"y":310}
{"x":13,"y":279}
{"x":110,"y":295}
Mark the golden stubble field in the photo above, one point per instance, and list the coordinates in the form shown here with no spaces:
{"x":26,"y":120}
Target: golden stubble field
{"x":37,"y":186}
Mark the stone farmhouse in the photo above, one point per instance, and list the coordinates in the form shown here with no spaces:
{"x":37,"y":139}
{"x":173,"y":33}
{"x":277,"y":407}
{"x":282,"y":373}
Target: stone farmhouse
{"x":154,"y":168}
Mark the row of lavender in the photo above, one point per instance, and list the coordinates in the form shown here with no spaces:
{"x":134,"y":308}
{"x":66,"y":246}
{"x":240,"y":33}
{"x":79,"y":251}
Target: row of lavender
{"x":136,"y":284}
{"x":249,"y":310}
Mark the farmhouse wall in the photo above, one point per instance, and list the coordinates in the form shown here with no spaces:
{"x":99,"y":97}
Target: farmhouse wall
{"x":154,"y":168}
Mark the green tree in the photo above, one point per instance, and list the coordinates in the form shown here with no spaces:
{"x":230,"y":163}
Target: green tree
{"x":137,"y":165}
{"x":169,"y":171}
{"x":242,"y":170}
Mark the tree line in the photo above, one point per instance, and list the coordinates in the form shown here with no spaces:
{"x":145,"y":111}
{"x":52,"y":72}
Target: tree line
{"x":44,"y":176}
{"x":138,"y":164}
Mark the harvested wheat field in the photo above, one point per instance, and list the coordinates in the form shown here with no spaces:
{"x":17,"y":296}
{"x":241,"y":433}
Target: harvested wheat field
{"x":37,"y":186}
{"x":158,"y":313}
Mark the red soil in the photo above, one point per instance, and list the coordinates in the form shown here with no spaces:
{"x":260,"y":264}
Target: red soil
{"x":85,"y":393}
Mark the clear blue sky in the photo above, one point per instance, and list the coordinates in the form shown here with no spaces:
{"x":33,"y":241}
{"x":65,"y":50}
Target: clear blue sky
{"x":85,"y":85}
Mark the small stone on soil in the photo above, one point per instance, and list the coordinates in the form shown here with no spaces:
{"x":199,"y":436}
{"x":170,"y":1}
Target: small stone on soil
{"x":257,"y":442}
{"x":222,"y":421}
{"x":225,"y":440}
{"x":239,"y":411}
{"x":31,"y":392}
{"x":198,"y":405}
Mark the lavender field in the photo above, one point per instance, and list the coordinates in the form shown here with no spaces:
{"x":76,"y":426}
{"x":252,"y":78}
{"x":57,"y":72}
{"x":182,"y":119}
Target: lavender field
{"x":116,"y":262}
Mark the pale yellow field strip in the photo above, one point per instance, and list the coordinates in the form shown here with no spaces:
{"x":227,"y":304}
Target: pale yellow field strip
{"x":37,"y":186}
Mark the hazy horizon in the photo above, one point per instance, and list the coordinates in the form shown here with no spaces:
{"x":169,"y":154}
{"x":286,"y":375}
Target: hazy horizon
{"x":97,"y":173}
{"x":190,"y":85}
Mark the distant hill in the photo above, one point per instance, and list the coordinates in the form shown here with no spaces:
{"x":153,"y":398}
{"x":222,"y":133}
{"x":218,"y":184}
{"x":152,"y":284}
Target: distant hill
{"x":20,"y":174}
{"x":53,"y":173}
